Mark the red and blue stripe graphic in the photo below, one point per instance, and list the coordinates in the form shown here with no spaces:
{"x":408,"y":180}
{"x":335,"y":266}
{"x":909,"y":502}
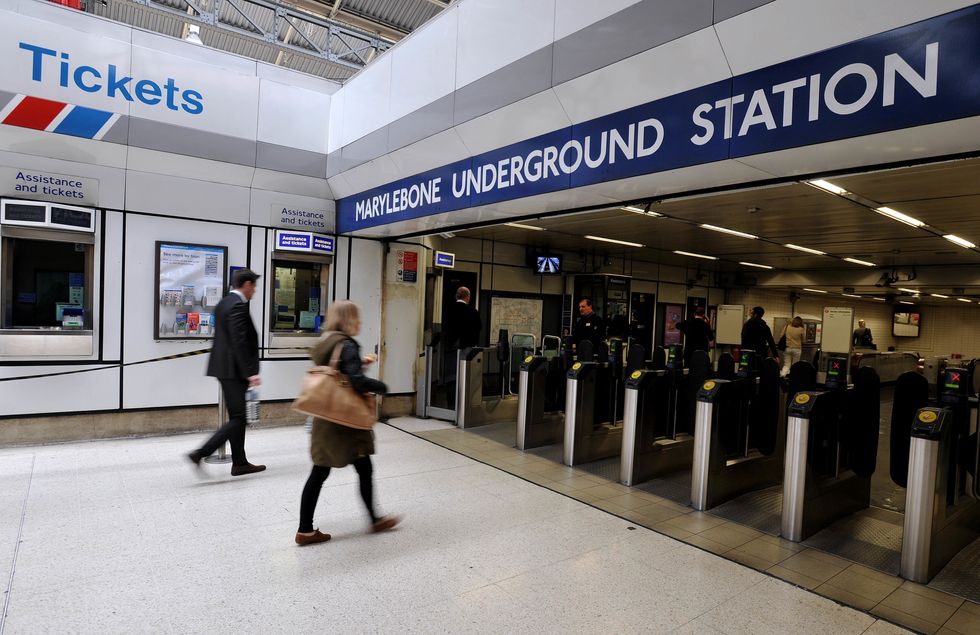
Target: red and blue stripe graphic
{"x":59,"y":117}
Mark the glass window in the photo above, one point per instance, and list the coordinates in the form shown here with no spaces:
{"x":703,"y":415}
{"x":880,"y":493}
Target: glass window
{"x":297,"y":294}
{"x":47,"y":284}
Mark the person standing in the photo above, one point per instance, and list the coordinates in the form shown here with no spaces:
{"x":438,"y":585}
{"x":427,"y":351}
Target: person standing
{"x":234,"y":362}
{"x":589,"y":326}
{"x":862,"y":336}
{"x":757,"y":336}
{"x":794,"y":334}
{"x":334,"y":445}
{"x":462,"y":330}
{"x":697,"y":334}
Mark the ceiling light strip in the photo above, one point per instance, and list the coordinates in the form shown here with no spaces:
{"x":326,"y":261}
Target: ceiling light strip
{"x":860,"y":262}
{"x":899,"y":216}
{"x":693,"y":255}
{"x":756,"y":265}
{"x":956,"y":240}
{"x":614,"y":241}
{"x":806,"y":249}
{"x":827,"y":186}
{"x":814,"y":290}
{"x":725,"y":230}
{"x":522,"y":226}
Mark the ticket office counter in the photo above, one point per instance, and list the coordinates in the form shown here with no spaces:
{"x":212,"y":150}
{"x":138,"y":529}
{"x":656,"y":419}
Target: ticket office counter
{"x":48,"y":280}
{"x":298,"y":285}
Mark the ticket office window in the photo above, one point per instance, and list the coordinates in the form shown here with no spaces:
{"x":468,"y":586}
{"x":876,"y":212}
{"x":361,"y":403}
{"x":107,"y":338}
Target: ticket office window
{"x":298,"y":293}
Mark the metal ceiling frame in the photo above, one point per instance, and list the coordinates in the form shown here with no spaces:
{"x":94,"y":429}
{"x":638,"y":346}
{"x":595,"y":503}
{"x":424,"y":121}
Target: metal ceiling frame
{"x":361,"y":47}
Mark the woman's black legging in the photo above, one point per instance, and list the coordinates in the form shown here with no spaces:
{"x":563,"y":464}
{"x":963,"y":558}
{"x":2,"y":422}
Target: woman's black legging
{"x":319,"y":474}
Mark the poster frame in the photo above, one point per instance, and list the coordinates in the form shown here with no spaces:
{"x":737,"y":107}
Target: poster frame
{"x":156,"y":286}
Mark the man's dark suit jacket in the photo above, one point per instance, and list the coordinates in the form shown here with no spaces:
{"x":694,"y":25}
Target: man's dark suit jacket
{"x":235,"y":354}
{"x":463,"y":326}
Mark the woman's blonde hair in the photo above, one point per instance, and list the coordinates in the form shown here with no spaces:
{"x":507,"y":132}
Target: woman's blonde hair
{"x":797,"y":321}
{"x":343,"y":316}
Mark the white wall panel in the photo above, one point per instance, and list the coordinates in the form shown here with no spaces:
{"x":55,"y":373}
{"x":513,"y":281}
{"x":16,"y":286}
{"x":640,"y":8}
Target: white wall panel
{"x":335,"y":127}
{"x":366,"y":280}
{"x":439,"y":149}
{"x":787,"y":29}
{"x":112,"y":181}
{"x":175,"y":196}
{"x":281,"y":378}
{"x":175,"y":382}
{"x":574,"y":15}
{"x":521,"y":120}
{"x":339,"y":186}
{"x":293,"y":116}
{"x":106,"y":45}
{"x":645,"y":77}
{"x":96,"y":390}
{"x":401,"y":315}
{"x":168,"y":164}
{"x":265,"y":206}
{"x":339,"y":289}
{"x":112,"y":306}
{"x":423,"y":66}
{"x":366,"y":101}
{"x":494,"y":33}
{"x":377,"y":172}
{"x":298,"y":184}
{"x":194,"y":54}
{"x":295,"y":78}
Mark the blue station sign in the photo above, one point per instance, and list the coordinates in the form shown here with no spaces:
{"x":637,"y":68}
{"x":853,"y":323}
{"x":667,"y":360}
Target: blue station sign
{"x":445,"y":259}
{"x":923,"y":73}
{"x":304,"y":242}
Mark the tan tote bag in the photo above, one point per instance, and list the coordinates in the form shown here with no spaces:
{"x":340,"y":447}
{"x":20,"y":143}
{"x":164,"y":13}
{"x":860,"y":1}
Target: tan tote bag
{"x":327,"y":394}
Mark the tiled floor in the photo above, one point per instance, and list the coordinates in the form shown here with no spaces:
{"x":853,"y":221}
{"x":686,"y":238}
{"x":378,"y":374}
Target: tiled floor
{"x":914,"y":606}
{"x":122,"y":537}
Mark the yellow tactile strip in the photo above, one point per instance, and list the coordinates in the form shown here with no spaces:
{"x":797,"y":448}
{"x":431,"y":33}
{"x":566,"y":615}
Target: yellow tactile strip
{"x":911,"y":605}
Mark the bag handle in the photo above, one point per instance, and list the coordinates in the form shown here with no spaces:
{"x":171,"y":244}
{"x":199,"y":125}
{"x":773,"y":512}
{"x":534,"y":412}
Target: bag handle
{"x":335,"y":357}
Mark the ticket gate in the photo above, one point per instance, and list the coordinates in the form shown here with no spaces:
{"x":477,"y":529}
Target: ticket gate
{"x":739,"y":433}
{"x":657,"y":433}
{"x":473,"y":407}
{"x":539,"y":418}
{"x":942,"y":513}
{"x":831,"y":451}
{"x":592,"y":398}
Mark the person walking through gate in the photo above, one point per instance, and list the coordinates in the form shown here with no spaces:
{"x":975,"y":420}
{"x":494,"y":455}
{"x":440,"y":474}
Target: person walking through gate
{"x":234,"y":362}
{"x":462,"y":330}
{"x":334,"y":445}
{"x":794,"y":333}
{"x":589,"y":326}
{"x":757,"y":336}
{"x":697,"y":334}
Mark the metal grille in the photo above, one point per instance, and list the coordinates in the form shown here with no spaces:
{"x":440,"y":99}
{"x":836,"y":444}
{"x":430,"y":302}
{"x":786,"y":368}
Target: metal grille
{"x":760,"y":510}
{"x":872,"y":537}
{"x":960,"y":577}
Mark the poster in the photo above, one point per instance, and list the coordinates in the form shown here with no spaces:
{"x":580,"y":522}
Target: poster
{"x":673,"y":313}
{"x":190,"y":280}
{"x":407,"y":266}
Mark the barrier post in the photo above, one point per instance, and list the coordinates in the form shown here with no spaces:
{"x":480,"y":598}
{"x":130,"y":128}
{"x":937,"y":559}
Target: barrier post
{"x":221,"y":456}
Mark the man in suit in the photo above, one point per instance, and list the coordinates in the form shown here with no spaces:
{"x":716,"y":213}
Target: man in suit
{"x":697,"y":334}
{"x":235,"y":363}
{"x":462,"y":330}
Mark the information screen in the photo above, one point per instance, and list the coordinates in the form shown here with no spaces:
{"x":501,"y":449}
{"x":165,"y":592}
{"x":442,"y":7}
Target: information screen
{"x":954,"y":379}
{"x":24,"y":213}
{"x":548,"y":264}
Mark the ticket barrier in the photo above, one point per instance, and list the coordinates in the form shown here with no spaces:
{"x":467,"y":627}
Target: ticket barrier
{"x":473,"y":407}
{"x":592,"y":399}
{"x":831,"y":450}
{"x":539,"y":418}
{"x":739,"y":434}
{"x":657,"y":435}
{"x":942,"y":513}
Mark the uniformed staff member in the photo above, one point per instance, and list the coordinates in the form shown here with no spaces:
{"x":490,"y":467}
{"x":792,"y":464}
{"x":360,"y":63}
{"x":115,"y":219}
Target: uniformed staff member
{"x":589,"y":325}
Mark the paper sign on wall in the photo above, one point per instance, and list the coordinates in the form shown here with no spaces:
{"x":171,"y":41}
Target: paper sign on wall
{"x":408,"y":266}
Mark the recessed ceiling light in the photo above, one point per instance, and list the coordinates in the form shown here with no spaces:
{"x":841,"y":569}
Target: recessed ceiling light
{"x":806,"y":249}
{"x":757,"y":266}
{"x":861,"y":262}
{"x":900,"y":217}
{"x":827,"y":186}
{"x":640,"y":210}
{"x":693,"y":255}
{"x":912,"y":291}
{"x":962,"y":242}
{"x":964,"y":300}
{"x":522,"y":226}
{"x":614,"y":241}
{"x":939,"y":295}
{"x":725,"y":230}
{"x":850,"y":295}
{"x":814,"y":290}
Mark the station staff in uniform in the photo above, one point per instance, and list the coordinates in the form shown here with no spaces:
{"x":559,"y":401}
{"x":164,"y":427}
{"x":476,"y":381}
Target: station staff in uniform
{"x":235,"y":363}
{"x":462,"y":330}
{"x":757,"y":336}
{"x":589,"y":326}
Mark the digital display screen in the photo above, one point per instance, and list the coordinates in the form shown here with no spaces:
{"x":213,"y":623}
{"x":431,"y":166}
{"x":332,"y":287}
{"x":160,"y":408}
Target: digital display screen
{"x":71,"y":217}
{"x":954,"y":379}
{"x":743,"y":359}
{"x":834,"y":367}
{"x":548,"y":264}
{"x":25,"y":213}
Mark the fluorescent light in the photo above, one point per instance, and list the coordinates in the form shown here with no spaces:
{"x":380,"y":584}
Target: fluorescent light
{"x":964,"y":300}
{"x":752,"y":264}
{"x":900,"y":217}
{"x":806,"y":249}
{"x":814,"y":290}
{"x":614,"y":241}
{"x":640,"y":210}
{"x":850,"y":295}
{"x":905,"y":302}
{"x":880,"y":299}
{"x":827,"y":186}
{"x":912,"y":291}
{"x":939,"y":295}
{"x":522,"y":226}
{"x":962,"y":242}
{"x":692,"y":255}
{"x":861,"y":262}
{"x":725,"y":230}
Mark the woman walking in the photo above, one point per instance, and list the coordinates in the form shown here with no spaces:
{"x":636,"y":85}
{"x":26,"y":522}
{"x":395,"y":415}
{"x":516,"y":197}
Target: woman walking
{"x":334,"y":445}
{"x":794,"y":333}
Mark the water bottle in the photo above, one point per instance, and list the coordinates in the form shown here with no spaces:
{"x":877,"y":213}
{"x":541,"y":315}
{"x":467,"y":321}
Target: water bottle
{"x":251,"y":406}
{"x":308,"y":426}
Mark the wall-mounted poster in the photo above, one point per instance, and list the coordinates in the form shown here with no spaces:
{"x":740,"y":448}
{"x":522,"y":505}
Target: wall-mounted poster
{"x":191,"y":280}
{"x":673,"y":313}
